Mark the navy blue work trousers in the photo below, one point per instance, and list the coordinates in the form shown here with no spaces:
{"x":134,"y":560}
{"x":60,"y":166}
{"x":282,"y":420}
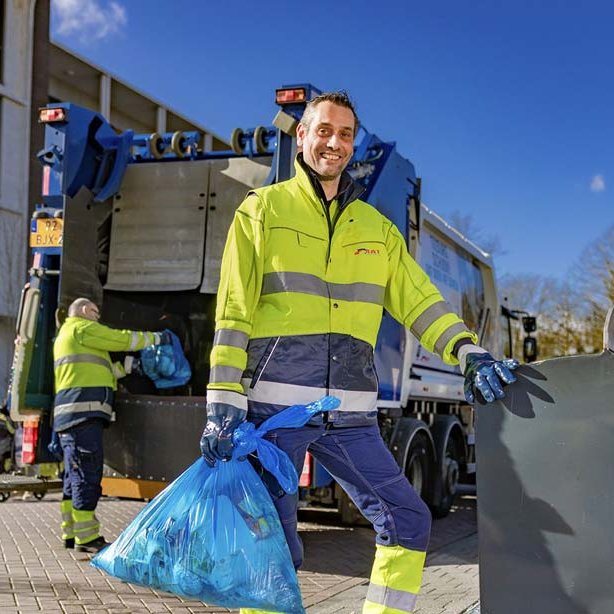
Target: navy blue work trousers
{"x":83,"y":461}
{"x":359,"y":460}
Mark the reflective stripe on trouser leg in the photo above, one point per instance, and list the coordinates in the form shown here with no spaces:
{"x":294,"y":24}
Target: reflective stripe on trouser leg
{"x":395,"y":580}
{"x":67,"y":521}
{"x":86,"y":526}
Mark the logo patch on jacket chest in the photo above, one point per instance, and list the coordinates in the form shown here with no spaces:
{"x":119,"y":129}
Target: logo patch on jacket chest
{"x":364,"y":250}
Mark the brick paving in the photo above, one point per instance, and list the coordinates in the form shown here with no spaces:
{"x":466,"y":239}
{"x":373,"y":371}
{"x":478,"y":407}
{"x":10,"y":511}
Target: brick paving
{"x":38,"y":575}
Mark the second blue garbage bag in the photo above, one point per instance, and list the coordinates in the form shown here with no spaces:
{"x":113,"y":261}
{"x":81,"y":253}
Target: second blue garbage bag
{"x":214,"y":534}
{"x":166,"y":365}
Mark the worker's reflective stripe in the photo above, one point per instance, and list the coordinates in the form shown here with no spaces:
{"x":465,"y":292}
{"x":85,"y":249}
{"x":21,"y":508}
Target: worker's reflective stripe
{"x":86,"y":524}
{"x":395,"y":580}
{"x":224,"y":374}
{"x":448,"y":335}
{"x":277,"y":393}
{"x":229,"y":336}
{"x":89,"y":358}
{"x":428,"y":316}
{"x":89,"y":536}
{"x":306,"y":283}
{"x":134,"y":341}
{"x":67,"y":520}
{"x":82,"y":406}
{"x":227,"y":397}
{"x":66,"y":507}
{"x":390,"y":598}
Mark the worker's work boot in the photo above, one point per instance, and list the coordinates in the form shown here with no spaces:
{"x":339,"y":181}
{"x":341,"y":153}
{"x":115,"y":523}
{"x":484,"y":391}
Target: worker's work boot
{"x":69,"y":543}
{"x":94,"y":546}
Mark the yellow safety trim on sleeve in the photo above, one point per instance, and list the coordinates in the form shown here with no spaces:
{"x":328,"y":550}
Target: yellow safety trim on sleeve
{"x":229,"y":356}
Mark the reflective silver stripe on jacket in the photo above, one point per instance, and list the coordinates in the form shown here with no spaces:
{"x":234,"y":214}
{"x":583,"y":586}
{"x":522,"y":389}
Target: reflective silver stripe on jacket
{"x":229,"y":336}
{"x":448,"y":335}
{"x":429,"y":316}
{"x":276,"y":393}
{"x":311,"y":284}
{"x":82,"y":407}
{"x":134,"y":341}
{"x":222,"y":374}
{"x":403,"y":601}
{"x":89,"y":358}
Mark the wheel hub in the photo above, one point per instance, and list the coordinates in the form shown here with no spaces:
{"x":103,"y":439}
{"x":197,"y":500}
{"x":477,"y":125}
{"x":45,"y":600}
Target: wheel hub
{"x":451,"y":474}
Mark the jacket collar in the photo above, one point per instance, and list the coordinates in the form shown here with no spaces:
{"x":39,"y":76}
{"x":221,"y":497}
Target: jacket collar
{"x":349,"y":190}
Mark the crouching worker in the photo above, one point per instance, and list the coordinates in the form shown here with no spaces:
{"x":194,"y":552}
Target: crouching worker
{"x":85,"y":379}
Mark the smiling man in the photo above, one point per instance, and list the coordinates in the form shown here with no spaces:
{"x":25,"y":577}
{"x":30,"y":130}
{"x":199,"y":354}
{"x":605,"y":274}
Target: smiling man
{"x":307,"y":269}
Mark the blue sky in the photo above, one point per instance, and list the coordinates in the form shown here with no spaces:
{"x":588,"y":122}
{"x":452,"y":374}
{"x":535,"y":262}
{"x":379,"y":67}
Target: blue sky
{"x":505,"y":108}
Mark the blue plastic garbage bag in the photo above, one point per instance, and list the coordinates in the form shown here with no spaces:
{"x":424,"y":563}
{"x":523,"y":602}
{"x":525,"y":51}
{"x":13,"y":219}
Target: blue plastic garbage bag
{"x":214,"y":534}
{"x":166,"y":365}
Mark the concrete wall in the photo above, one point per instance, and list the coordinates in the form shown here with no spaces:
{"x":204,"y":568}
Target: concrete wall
{"x":15,"y":154}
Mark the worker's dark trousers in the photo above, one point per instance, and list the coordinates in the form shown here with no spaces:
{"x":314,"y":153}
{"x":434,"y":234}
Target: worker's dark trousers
{"x":359,"y":460}
{"x":83,"y":460}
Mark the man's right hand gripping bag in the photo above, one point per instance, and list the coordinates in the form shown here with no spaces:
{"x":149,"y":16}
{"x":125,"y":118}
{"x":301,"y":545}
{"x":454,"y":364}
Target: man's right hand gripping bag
{"x":214,"y":534}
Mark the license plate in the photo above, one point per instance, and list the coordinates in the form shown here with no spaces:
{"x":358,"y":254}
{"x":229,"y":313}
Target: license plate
{"x":47,"y":233}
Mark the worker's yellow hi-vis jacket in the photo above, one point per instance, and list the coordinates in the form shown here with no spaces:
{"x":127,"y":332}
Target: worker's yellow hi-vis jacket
{"x":85,"y":375}
{"x":302,"y":288}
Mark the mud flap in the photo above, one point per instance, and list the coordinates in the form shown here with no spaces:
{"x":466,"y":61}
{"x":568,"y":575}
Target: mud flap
{"x":545,"y":495}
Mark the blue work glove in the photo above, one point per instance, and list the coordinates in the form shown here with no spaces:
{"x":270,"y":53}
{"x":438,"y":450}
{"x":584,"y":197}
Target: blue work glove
{"x":222,"y":421}
{"x":484,"y":374}
{"x":54,"y":447}
{"x":165,"y":338}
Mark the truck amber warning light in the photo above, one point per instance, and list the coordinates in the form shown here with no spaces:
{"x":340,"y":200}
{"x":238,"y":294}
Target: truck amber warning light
{"x":51,"y":115}
{"x":288,"y":96}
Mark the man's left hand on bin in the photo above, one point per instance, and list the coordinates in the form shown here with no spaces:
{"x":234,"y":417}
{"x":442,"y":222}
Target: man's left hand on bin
{"x":484,"y":374}
{"x":222,"y":421}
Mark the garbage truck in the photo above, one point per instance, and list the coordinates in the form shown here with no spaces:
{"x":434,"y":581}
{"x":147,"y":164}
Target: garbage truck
{"x":137,"y":223}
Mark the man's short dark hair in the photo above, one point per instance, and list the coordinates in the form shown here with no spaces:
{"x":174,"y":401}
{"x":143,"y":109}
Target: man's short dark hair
{"x":340,"y":98}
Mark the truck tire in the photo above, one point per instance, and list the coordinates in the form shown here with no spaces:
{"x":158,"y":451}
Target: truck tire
{"x":350,"y":514}
{"x":450,"y":451}
{"x":418,"y":465}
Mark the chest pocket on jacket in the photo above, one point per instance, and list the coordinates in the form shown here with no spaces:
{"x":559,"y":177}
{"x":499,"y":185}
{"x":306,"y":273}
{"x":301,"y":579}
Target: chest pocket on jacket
{"x":292,"y":248}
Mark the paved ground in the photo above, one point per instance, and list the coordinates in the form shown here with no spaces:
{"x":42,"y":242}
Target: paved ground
{"x":37,"y":574}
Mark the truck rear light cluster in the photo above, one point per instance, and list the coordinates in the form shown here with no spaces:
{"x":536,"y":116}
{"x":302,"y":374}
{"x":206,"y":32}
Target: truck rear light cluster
{"x":290,"y":95}
{"x":30,"y":439}
{"x":47,"y":116}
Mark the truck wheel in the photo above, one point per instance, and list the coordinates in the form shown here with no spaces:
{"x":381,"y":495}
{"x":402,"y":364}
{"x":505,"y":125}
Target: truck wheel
{"x":4,"y":496}
{"x":350,"y":514}
{"x":38,"y":495}
{"x":449,"y":482}
{"x":417,"y":468}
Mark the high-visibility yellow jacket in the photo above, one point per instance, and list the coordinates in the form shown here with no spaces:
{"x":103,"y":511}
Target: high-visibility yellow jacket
{"x":85,"y":376}
{"x":300,"y":300}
